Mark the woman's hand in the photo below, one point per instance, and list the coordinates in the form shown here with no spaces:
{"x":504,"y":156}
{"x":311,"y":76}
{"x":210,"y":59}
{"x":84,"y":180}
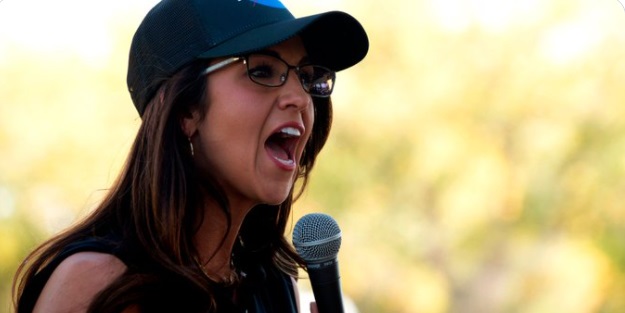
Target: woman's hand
{"x":313,"y":307}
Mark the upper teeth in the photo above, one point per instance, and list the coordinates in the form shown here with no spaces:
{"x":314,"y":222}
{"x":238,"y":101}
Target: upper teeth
{"x":291,"y":131}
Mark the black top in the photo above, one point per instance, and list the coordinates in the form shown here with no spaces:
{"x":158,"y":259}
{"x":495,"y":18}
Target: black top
{"x":263,"y":289}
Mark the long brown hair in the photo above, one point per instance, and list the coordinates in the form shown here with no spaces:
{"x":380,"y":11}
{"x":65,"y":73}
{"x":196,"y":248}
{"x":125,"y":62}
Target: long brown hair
{"x":154,"y":207}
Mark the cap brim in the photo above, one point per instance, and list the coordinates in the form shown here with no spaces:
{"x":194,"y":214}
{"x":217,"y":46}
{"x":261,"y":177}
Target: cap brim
{"x":332,"y":39}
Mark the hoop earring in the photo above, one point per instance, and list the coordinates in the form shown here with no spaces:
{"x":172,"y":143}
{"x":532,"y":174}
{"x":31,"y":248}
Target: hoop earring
{"x":191,"y":146}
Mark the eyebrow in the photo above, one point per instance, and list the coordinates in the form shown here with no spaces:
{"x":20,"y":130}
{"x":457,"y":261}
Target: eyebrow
{"x":303,"y":60}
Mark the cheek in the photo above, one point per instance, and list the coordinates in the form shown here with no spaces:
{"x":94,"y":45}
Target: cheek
{"x":234,"y":112}
{"x":309,"y":123}
{"x":309,"y":118}
{"x":230,"y":133}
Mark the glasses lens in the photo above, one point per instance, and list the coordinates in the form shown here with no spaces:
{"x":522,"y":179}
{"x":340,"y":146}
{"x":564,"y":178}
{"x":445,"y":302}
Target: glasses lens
{"x":317,"y":80}
{"x":266,"y":70}
{"x":271,"y":71}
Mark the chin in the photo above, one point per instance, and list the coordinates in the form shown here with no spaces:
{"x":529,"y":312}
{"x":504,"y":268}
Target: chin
{"x":277,"y":198}
{"x":275,"y":193}
{"x":275,"y":201}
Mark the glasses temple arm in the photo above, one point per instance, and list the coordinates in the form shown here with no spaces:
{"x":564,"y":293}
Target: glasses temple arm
{"x":219,"y":65}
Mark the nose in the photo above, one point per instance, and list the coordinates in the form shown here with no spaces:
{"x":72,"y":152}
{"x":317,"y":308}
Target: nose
{"x":292,"y":94}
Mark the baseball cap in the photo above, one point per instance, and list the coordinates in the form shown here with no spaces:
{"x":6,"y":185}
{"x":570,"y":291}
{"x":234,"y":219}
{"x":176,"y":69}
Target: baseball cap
{"x":177,"y":32}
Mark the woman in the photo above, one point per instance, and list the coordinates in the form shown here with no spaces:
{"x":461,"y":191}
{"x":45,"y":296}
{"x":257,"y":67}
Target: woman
{"x":235,"y":107}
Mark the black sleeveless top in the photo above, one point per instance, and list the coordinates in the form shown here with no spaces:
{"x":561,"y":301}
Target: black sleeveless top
{"x":263,"y":289}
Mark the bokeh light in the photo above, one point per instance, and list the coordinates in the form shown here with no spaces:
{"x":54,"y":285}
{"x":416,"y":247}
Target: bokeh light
{"x":476,"y":161}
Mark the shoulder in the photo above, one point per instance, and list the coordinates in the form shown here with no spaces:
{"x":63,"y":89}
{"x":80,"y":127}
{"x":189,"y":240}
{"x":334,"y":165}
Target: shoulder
{"x":76,"y":281}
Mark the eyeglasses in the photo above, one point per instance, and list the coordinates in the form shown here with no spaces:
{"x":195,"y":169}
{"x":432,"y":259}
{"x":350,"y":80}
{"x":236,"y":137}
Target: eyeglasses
{"x":272,"y":71}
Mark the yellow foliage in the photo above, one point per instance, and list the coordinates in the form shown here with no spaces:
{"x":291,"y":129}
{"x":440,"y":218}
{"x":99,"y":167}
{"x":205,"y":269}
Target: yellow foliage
{"x":476,"y":161}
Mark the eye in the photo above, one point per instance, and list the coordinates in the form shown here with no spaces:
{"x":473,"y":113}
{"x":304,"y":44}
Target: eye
{"x":307,"y":74}
{"x":262,"y":71}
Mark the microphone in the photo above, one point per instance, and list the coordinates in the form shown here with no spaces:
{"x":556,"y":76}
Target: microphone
{"x":317,"y":239}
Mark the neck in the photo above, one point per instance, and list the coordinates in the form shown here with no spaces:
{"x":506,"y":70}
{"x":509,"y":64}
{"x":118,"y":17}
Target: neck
{"x":215,"y":238}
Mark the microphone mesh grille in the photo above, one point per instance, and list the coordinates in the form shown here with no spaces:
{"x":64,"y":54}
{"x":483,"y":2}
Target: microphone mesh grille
{"x":317,"y":237}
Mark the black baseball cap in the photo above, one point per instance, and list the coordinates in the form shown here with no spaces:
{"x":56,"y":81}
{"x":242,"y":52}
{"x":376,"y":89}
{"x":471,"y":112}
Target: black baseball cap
{"x":177,"y":32}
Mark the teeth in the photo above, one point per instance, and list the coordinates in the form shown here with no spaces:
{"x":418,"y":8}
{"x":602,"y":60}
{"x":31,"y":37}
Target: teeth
{"x":291,"y":131}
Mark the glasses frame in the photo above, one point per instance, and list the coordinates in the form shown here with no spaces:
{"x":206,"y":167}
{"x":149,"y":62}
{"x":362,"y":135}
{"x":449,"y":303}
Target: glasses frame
{"x":219,"y":65}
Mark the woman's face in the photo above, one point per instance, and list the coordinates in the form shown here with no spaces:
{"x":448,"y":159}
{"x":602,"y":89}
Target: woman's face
{"x":252,"y":137}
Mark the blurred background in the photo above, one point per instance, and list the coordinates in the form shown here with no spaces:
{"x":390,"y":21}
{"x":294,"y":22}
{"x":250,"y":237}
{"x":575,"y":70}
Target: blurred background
{"x":476,"y":162}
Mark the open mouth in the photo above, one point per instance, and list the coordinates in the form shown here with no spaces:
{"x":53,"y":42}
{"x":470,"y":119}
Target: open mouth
{"x":281,"y":145}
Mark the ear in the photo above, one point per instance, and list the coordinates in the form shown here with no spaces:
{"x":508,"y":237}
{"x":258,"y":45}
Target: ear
{"x":190,"y":123}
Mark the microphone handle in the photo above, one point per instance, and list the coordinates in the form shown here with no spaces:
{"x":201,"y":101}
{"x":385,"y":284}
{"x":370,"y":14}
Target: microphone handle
{"x":326,"y":285}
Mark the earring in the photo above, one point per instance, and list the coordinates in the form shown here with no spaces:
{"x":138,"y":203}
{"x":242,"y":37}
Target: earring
{"x":191,"y":146}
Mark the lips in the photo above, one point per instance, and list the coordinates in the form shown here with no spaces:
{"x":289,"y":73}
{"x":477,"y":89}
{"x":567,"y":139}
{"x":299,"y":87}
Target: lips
{"x":281,"y":146}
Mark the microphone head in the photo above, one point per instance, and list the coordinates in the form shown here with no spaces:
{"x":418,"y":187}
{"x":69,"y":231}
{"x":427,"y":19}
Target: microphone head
{"x":317,"y":237}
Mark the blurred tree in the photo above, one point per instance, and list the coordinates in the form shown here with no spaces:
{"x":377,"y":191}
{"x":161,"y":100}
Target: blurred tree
{"x":475,"y":164}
